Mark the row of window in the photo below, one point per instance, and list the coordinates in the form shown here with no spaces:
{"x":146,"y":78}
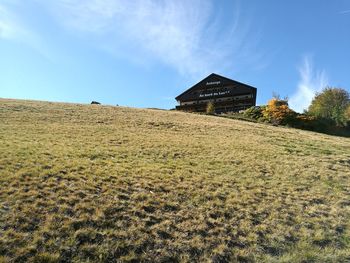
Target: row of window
{"x":226,"y":109}
{"x":221,"y":99}
{"x":236,"y":98}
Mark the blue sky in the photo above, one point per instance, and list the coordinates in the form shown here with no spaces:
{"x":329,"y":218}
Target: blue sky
{"x":143,"y":53}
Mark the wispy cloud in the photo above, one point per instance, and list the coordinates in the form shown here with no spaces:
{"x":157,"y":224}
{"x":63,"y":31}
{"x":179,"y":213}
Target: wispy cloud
{"x":14,"y":29}
{"x":310,"y":82}
{"x":344,"y":12}
{"x":182,"y":34}
{"x":9,"y":26}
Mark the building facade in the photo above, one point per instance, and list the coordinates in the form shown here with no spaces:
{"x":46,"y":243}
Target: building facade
{"x":226,"y":94}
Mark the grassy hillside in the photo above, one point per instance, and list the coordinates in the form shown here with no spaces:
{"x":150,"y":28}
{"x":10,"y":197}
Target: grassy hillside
{"x":105,"y":184}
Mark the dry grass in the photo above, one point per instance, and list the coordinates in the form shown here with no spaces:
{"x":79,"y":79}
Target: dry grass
{"x":104,"y":184}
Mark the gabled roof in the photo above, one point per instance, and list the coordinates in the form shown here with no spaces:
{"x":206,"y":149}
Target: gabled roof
{"x":212,"y":78}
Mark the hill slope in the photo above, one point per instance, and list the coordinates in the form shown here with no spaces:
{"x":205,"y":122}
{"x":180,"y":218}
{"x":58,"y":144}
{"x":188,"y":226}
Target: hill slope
{"x":100,"y":183}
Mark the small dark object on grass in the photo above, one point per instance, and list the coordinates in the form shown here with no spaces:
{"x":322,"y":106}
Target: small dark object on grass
{"x":95,"y":102}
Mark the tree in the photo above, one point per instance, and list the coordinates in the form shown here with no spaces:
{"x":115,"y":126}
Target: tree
{"x":331,"y":103}
{"x":277,"y":112}
{"x":210,"y":108}
{"x":347,"y":115}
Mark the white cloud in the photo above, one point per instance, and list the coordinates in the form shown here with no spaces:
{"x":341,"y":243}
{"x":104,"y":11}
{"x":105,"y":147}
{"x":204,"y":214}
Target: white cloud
{"x":310,"y":83}
{"x":14,"y":29}
{"x":344,"y":12}
{"x":9,"y":28}
{"x":186,"y":35}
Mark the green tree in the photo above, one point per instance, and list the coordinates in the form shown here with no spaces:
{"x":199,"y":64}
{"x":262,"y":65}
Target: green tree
{"x":331,"y":103}
{"x":210,"y":108}
{"x":347,"y":115}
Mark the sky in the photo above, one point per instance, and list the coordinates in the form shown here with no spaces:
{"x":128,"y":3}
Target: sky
{"x":143,"y":53}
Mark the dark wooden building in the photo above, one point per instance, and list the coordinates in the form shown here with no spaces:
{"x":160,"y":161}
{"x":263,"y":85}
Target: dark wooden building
{"x":226,"y":94}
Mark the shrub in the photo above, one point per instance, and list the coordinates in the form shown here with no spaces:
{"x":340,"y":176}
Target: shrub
{"x":312,"y":123}
{"x":277,"y":112}
{"x":306,"y":122}
{"x":210,"y":108}
{"x":255,"y":112}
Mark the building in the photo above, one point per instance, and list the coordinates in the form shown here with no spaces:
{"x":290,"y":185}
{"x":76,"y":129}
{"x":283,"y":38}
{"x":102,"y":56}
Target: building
{"x":226,"y":94}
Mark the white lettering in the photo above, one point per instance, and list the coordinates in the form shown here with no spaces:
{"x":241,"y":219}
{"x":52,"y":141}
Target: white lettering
{"x":213,"y":83}
{"x":214,"y":94}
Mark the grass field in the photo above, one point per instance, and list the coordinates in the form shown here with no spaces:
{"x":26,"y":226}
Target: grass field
{"x":90,"y":183}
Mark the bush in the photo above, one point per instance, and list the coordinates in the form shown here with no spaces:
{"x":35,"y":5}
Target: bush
{"x":210,"y":108}
{"x":255,"y":112}
{"x":277,"y":112}
{"x":311,"y":123}
{"x":323,"y":125}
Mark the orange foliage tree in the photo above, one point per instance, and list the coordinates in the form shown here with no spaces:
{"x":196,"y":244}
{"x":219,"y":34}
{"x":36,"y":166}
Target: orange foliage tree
{"x":277,"y":112}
